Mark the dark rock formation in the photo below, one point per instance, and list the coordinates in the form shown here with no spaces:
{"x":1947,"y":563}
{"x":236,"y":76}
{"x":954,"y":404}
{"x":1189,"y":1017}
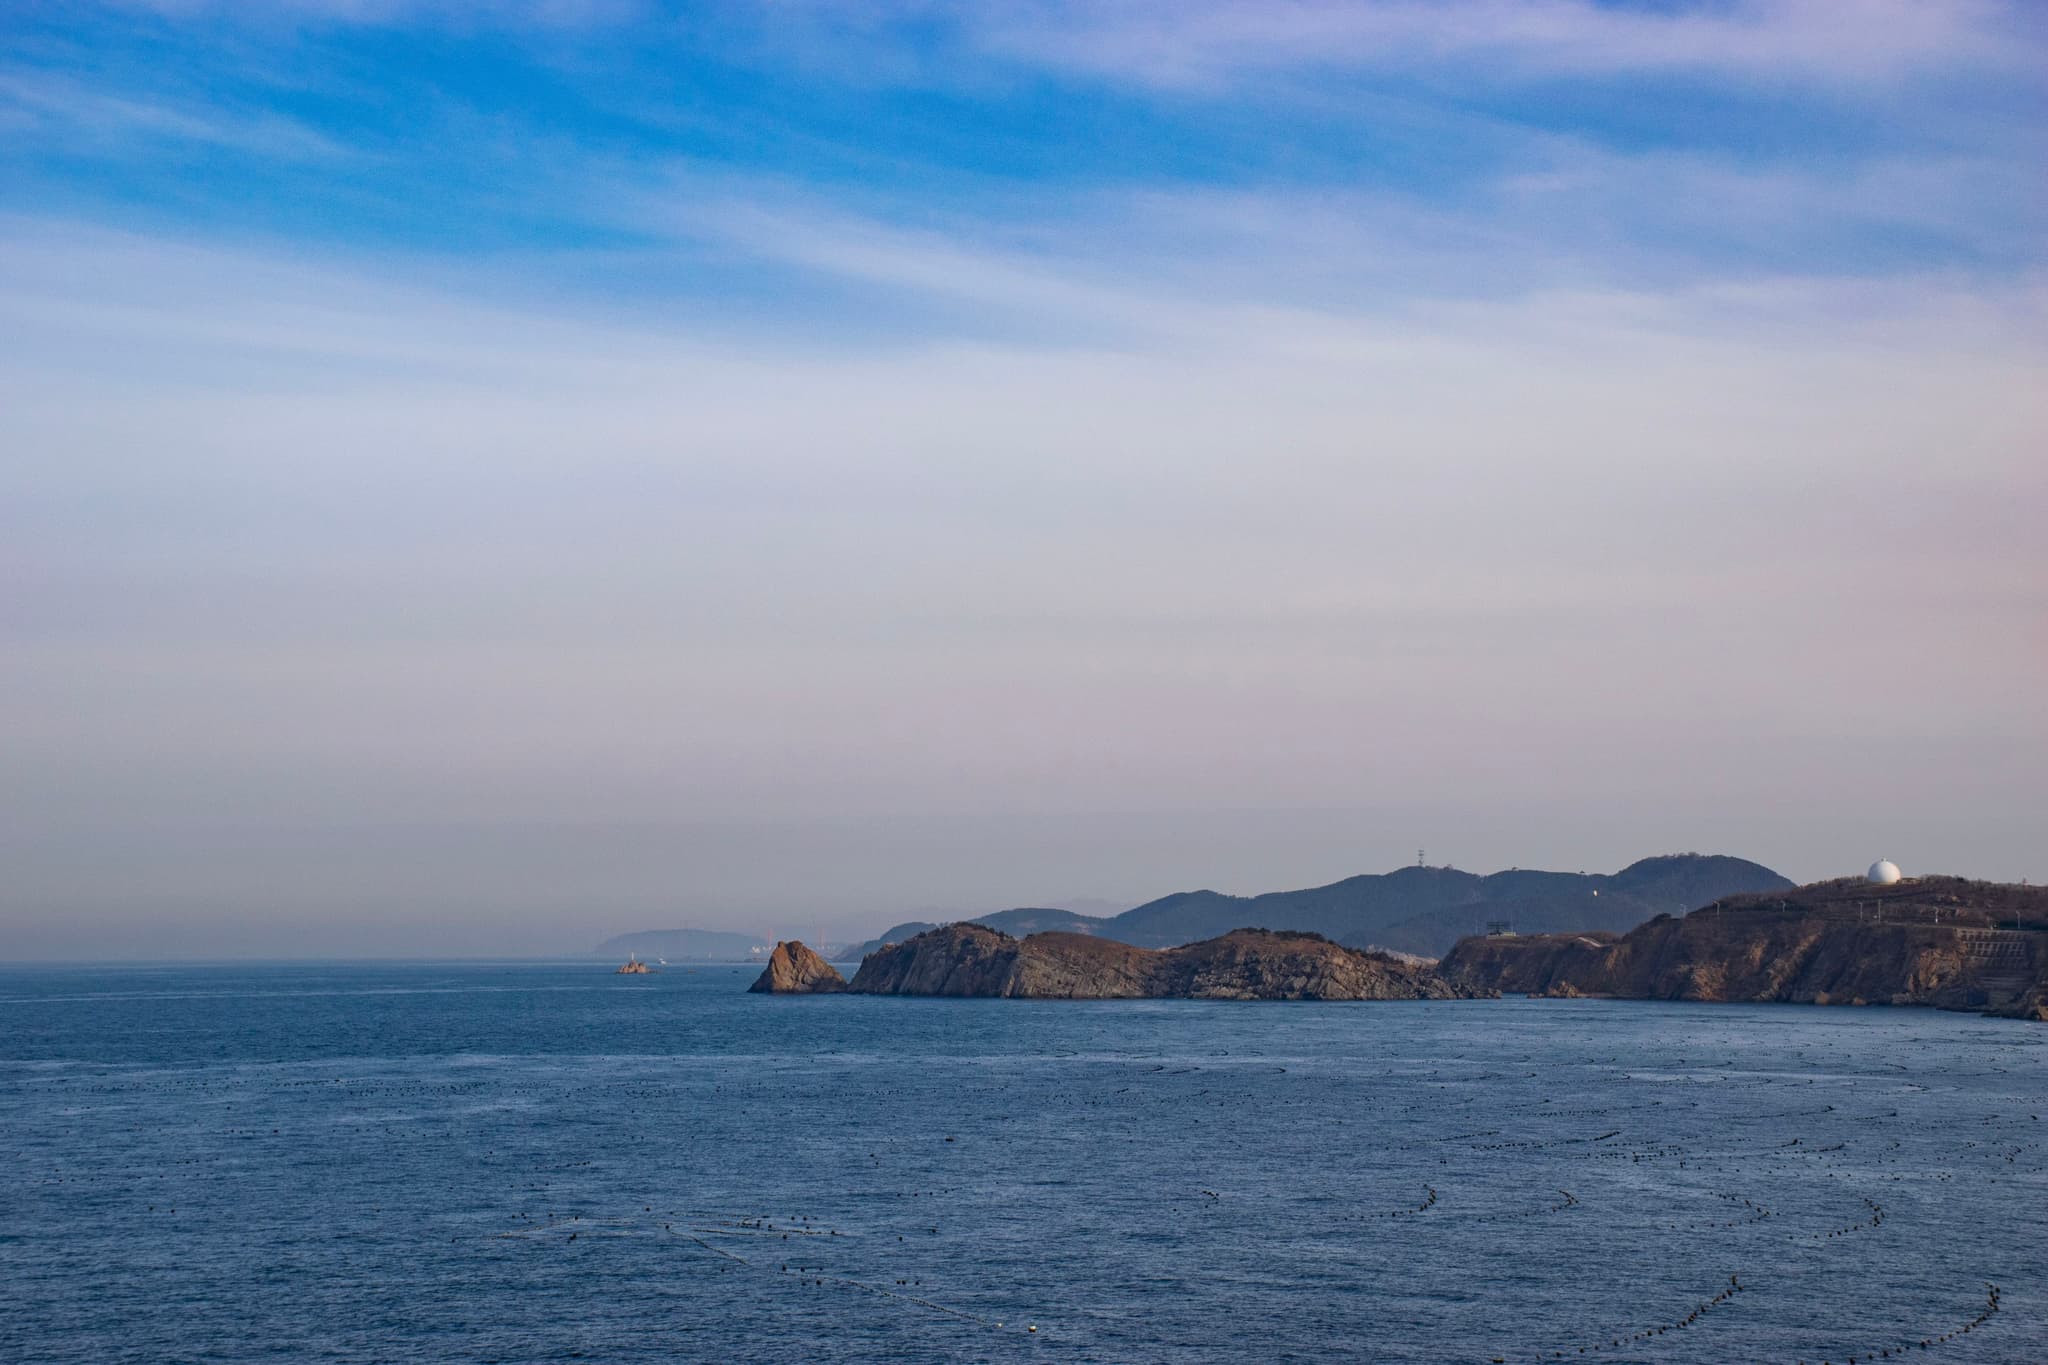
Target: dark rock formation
{"x":1245,"y":964}
{"x":795,"y":970}
{"x":1939,"y":941}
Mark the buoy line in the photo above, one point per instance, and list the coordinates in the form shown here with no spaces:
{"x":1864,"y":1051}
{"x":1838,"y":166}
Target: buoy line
{"x":1533,"y":1143}
{"x":716,"y":1251}
{"x":1546,"y":1111}
{"x":1735,"y":1286}
{"x":1417,"y":1144}
{"x":1988,"y":1312}
{"x":1429,"y":1202}
{"x":1757,"y":1213}
{"x":1570,"y":1201}
{"x":1876,"y":1219}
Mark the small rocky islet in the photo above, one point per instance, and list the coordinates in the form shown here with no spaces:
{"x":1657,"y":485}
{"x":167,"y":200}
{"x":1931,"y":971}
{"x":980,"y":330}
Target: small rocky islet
{"x":794,"y":969}
{"x":1940,"y":941}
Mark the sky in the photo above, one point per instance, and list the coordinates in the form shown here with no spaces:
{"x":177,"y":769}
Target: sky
{"x":476,"y":478}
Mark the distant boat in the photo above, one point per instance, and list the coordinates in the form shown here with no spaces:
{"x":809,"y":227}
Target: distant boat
{"x":634,"y":967}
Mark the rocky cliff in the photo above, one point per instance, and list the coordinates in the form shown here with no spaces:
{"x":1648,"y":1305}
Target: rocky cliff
{"x":795,"y":970}
{"x":1939,"y":941}
{"x":1245,"y":964}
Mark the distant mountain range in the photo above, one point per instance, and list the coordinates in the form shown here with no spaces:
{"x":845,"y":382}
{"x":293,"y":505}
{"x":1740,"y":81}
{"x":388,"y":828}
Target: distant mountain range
{"x":1422,"y":910}
{"x":685,"y":945}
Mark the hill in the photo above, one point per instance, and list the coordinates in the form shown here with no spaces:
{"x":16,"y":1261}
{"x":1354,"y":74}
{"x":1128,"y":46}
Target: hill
{"x":1421,"y":910}
{"x":1017,"y":923}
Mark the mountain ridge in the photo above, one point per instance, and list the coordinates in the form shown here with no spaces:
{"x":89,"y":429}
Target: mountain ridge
{"x":1417,"y":909}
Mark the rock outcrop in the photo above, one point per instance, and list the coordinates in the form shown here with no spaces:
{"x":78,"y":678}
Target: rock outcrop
{"x":795,"y":970}
{"x":1939,"y":941}
{"x":1245,"y":964}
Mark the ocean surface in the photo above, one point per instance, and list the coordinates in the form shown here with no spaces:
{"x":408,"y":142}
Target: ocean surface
{"x":520,"y":1162}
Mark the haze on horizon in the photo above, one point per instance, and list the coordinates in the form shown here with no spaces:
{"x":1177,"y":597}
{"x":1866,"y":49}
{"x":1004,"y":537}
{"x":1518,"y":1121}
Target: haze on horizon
{"x":480,"y":478}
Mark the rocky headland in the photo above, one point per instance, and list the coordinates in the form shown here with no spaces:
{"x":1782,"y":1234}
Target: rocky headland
{"x":794,"y":969}
{"x":1245,"y":964}
{"x":1941,"y":941}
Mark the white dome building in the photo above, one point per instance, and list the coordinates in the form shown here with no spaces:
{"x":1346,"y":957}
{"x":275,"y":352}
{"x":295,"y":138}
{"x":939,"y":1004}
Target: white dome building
{"x":1883,"y":872}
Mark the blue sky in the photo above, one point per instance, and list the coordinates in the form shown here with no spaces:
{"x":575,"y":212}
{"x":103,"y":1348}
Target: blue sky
{"x":614,"y":151}
{"x":550,"y":469}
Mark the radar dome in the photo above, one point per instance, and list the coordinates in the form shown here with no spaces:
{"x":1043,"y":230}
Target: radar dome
{"x":1883,"y":872}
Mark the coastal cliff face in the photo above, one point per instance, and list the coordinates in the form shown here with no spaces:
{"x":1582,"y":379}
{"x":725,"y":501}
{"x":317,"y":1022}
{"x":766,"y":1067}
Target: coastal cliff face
{"x":1935,"y":941}
{"x":1246,"y":964}
{"x":794,"y":969}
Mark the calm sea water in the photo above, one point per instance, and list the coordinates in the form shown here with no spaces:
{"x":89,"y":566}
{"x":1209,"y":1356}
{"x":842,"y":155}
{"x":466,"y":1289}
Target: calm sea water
{"x":536,"y":1163}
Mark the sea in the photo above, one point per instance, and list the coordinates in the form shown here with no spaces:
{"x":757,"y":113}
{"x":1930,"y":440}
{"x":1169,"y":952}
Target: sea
{"x":524,"y":1162}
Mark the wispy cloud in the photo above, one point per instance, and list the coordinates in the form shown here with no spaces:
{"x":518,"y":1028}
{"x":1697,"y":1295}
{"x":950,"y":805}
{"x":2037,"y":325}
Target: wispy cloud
{"x":507,"y":14}
{"x":59,"y":109}
{"x":1183,"y":262}
{"x":1200,"y":43}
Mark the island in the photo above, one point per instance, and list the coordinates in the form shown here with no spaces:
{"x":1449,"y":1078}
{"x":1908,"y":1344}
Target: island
{"x":1244,"y":964}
